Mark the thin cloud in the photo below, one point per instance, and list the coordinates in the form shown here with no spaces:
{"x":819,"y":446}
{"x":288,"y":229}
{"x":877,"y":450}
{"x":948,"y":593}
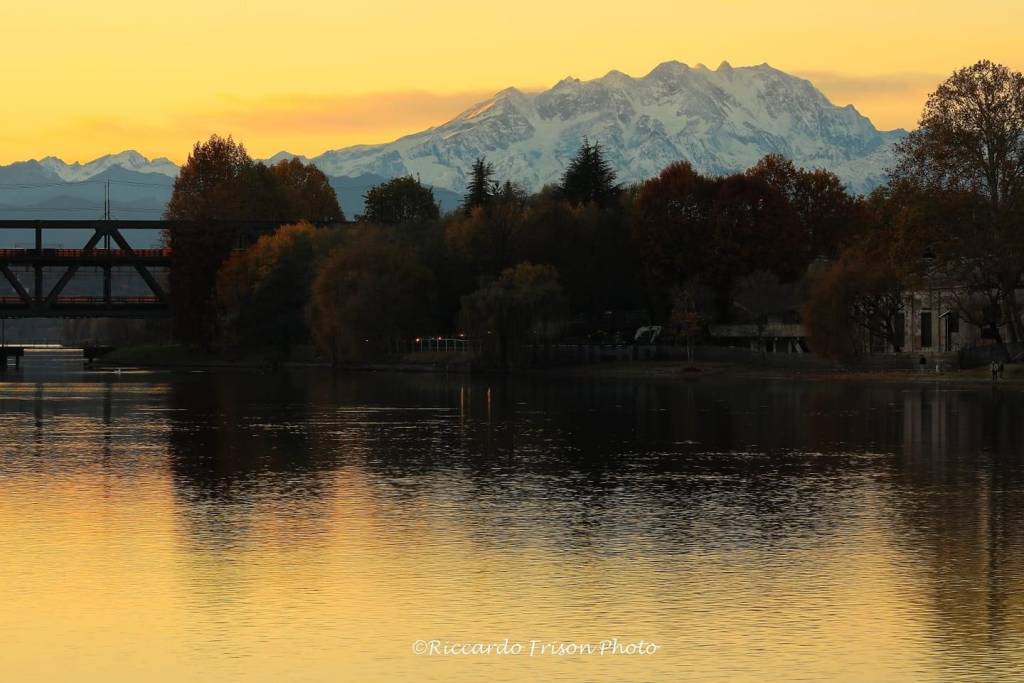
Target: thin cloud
{"x":299,"y":123}
{"x":411,"y":110}
{"x":892,"y":100}
{"x":854,"y":87}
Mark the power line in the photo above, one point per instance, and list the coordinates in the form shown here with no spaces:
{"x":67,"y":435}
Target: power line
{"x":78,"y":183}
{"x":54,"y":208}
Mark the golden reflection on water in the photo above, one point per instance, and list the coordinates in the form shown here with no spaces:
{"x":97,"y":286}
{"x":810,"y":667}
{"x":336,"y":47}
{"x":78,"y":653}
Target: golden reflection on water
{"x":141,"y":542}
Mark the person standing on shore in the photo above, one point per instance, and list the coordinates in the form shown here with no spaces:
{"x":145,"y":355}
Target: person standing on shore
{"x":995,"y":371}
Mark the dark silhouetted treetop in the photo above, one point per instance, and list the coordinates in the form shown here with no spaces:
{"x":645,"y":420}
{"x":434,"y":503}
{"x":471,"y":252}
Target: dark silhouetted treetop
{"x":966,"y":164}
{"x":213,"y":182}
{"x":400,"y":200}
{"x":481,"y":188}
{"x":826,"y":217}
{"x":220,"y":182}
{"x":971,"y":135}
{"x":305,"y":193}
{"x":262,"y":291}
{"x":520,"y":303}
{"x":369,"y":292}
{"x":589,"y":177}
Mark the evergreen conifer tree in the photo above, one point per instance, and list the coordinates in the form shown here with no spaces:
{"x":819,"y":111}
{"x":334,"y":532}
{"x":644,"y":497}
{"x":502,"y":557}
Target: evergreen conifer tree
{"x":589,"y":177}
{"x":481,"y":188}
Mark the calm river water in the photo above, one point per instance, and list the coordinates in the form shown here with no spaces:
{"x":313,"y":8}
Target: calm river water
{"x":305,"y":527}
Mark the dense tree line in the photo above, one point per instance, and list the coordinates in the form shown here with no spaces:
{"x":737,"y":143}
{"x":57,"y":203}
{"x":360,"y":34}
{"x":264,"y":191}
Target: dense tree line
{"x":688,"y":248}
{"x":505,"y":263}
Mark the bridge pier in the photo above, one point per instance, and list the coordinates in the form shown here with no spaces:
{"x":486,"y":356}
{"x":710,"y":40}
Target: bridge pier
{"x":15,"y":352}
{"x":91,"y":353}
{"x":37,"y":290}
{"x":106,"y":285}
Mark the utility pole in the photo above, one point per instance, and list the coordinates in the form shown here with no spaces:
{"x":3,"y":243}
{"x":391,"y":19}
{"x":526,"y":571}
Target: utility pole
{"x":106,"y":201}
{"x":106,"y":246}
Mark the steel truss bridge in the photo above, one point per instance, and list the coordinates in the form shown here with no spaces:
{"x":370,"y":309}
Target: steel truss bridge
{"x":105,"y":248}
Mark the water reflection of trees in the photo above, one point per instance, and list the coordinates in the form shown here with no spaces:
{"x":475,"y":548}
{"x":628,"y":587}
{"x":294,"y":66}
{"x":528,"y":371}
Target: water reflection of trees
{"x":627,"y":467}
{"x":239,"y":447}
{"x":958,"y":492}
{"x":590,"y":464}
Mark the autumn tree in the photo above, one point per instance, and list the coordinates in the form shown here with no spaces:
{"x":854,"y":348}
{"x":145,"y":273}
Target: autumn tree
{"x":519,"y":304}
{"x":860,"y":297}
{"x":211,"y":184}
{"x":749,"y":230}
{"x":215,"y":184}
{"x":370,"y":292}
{"x":671,"y":225}
{"x":400,"y":200}
{"x":966,"y":163}
{"x":303,"y":193}
{"x":262,"y":291}
{"x":485,"y":237}
{"x":825,"y":216}
{"x":826,"y":318}
{"x":217,"y":191}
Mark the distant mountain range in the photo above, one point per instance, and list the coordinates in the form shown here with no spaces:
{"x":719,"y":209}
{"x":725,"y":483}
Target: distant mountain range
{"x":139,"y":188}
{"x":721,"y":120}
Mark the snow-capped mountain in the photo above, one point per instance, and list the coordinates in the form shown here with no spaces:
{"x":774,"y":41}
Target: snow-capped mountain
{"x":285,"y":156}
{"x":129,"y":160}
{"x":722,"y":121}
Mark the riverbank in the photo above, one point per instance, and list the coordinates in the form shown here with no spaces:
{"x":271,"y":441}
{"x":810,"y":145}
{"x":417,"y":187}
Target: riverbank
{"x":184,"y":358}
{"x":676,"y":371}
{"x":173,"y":356}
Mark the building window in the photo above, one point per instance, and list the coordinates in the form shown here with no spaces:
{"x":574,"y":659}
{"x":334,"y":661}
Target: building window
{"x":926,"y":329}
{"x":952,"y":328}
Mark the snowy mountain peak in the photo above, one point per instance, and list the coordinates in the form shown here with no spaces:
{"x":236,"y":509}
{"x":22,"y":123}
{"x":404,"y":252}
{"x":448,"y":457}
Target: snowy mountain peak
{"x":670,"y":68}
{"x":129,"y":159}
{"x":722,"y":121}
{"x":567,"y":82}
{"x":284,"y":155}
{"x":616,"y":75}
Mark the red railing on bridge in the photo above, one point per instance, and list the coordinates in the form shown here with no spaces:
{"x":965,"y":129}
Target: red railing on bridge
{"x":91,"y":300}
{"x":78,"y":253}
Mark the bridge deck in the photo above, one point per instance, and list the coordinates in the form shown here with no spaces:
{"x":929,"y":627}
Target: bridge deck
{"x":105,"y":248}
{"x":86,"y":257}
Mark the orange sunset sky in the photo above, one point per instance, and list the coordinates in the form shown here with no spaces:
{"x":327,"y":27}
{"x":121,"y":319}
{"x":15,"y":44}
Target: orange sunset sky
{"x":84,"y":79}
